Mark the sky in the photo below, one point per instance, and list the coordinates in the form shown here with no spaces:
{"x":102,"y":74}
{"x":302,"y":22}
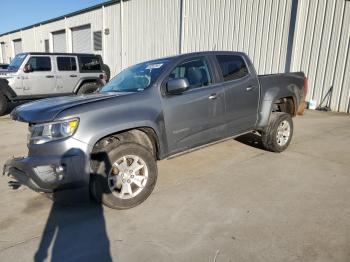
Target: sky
{"x":16,"y":14}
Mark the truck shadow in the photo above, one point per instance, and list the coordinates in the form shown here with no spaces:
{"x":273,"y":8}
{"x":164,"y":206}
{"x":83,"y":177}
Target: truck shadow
{"x":75,"y":232}
{"x":251,"y":139}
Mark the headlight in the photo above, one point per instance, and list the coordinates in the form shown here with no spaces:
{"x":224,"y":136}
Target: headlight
{"x":43,"y":133}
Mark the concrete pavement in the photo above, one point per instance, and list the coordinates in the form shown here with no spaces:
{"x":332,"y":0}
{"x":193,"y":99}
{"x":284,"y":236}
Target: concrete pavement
{"x":231,"y":201}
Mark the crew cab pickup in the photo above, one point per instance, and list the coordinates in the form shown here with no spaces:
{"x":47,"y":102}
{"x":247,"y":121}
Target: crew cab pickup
{"x":107,"y":143}
{"x":40,"y":75}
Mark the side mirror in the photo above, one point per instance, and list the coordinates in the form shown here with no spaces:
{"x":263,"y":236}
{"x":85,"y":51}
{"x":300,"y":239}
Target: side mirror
{"x":177,"y":86}
{"x":27,"y":68}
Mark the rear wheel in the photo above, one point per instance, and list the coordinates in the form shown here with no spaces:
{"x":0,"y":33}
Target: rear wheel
{"x":88,"y":88}
{"x":4,"y":105}
{"x":278,"y":134}
{"x":125,"y":176}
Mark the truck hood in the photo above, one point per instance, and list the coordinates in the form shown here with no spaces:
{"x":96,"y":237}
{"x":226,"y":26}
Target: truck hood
{"x":46,"y":110}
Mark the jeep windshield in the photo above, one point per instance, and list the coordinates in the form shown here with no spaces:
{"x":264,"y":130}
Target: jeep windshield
{"x":16,"y":62}
{"x":137,"y":78}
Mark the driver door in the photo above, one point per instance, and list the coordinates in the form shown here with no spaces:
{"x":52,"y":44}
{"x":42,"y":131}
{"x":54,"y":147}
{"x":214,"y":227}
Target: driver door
{"x":196,"y":116}
{"x":41,"y":79}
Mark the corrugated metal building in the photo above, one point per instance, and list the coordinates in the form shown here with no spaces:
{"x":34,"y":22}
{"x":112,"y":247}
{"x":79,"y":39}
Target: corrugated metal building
{"x":279,"y":36}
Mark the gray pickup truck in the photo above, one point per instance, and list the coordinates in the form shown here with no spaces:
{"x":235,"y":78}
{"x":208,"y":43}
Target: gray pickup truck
{"x":40,"y":75}
{"x":107,"y":143}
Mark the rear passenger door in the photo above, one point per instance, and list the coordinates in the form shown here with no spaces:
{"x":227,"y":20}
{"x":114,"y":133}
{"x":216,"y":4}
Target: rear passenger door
{"x":67,"y":74}
{"x":41,"y":80}
{"x":196,"y":116}
{"x":241,"y":93}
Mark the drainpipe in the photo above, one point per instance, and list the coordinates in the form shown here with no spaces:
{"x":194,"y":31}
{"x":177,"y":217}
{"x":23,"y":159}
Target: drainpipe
{"x":293,"y":19}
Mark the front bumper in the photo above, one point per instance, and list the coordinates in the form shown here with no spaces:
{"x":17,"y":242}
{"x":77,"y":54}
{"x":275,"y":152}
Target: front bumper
{"x":52,"y":167}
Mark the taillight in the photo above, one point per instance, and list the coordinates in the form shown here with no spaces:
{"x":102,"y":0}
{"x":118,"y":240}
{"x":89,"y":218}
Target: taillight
{"x":306,"y":86}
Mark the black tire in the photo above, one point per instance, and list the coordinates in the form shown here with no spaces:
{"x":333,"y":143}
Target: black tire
{"x":4,"y":105}
{"x":107,"y":71}
{"x":269,"y":136}
{"x":88,"y":88}
{"x":103,"y":165}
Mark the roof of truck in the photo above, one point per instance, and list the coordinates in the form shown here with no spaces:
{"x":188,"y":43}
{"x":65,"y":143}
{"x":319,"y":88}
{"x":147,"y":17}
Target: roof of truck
{"x":48,"y":53}
{"x":196,"y":54}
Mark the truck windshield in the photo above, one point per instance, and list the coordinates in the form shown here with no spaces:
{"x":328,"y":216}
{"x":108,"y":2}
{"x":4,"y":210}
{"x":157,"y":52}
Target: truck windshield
{"x":136,"y":78}
{"x":17,"y":62}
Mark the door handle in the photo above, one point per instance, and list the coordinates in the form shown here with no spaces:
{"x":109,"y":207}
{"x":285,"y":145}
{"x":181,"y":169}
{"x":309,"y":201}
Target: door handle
{"x":49,"y":76}
{"x":212,"y":96}
{"x":250,"y":88}
{"x":73,"y":75}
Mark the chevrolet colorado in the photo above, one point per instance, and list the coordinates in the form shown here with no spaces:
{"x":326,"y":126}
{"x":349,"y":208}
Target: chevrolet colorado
{"x":107,"y":143}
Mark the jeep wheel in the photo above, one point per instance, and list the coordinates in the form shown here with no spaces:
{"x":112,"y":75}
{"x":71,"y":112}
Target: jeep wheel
{"x":279,"y":132}
{"x":4,"y":105}
{"x":125,"y":177}
{"x":88,"y":88}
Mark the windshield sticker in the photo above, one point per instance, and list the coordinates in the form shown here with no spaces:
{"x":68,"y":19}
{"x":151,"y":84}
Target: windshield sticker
{"x":154,"y":66}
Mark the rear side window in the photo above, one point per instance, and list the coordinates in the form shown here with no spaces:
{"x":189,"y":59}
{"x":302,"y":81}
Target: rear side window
{"x":66,"y":64}
{"x":40,"y":63}
{"x":90,"y":63}
{"x":233,"y":67}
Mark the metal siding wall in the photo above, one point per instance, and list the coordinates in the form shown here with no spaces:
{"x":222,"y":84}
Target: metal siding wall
{"x":45,"y":32}
{"x":150,"y":30}
{"x":112,"y":42}
{"x":321,"y":49}
{"x":28,"y":40}
{"x":258,"y":27}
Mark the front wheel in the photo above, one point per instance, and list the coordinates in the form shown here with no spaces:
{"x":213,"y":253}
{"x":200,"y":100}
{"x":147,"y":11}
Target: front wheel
{"x":278,"y":134}
{"x":125,"y":177}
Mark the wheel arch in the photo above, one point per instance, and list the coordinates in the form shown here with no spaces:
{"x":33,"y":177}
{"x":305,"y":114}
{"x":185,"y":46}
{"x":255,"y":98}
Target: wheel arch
{"x":87,"y":80}
{"x":143,"y":135}
{"x":286,"y":104}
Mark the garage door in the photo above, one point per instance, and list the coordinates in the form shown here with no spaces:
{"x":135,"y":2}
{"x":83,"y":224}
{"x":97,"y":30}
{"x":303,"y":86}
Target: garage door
{"x":17,"y":45}
{"x":82,"y":39}
{"x":59,"y":41}
{"x":3,"y":52}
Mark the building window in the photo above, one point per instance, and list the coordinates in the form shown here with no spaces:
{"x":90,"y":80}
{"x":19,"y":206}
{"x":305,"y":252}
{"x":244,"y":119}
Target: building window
{"x":47,"y":45}
{"x":98,"y":40}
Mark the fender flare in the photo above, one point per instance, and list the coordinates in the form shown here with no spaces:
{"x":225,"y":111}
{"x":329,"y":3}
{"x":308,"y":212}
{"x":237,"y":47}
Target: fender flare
{"x":85,"y":80}
{"x":270,"y":98}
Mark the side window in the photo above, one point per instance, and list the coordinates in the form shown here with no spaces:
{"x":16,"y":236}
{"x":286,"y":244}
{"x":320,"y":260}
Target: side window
{"x":90,"y":63}
{"x":196,"y":71}
{"x":232,"y":67}
{"x":66,"y":64}
{"x":40,"y":63}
